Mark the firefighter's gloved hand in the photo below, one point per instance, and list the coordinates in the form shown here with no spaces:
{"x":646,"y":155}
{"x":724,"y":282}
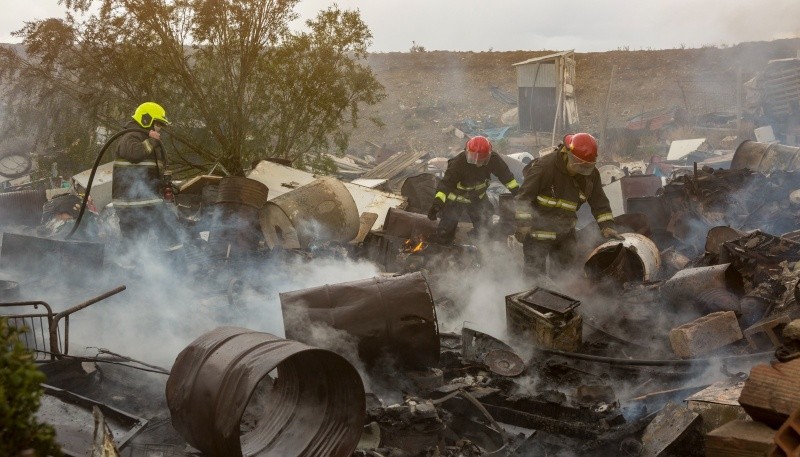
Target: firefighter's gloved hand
{"x":611,"y":234}
{"x":514,"y":191}
{"x":522,"y":233}
{"x":433,"y":213}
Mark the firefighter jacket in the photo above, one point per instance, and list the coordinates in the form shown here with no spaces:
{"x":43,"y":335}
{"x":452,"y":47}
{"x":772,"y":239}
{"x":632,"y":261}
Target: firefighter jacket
{"x":136,"y":176}
{"x":549,"y":198}
{"x":466,"y":183}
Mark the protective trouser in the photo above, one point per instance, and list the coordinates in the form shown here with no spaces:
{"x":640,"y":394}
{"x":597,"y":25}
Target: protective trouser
{"x":560,"y":251}
{"x":479,"y":211}
{"x":150,"y":223}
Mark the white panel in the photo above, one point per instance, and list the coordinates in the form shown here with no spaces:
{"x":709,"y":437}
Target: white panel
{"x":281,"y":179}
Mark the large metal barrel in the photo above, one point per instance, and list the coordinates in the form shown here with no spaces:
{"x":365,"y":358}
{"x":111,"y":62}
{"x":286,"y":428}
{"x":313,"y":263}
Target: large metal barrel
{"x":392,"y":315}
{"x":23,"y":207}
{"x":316,"y":407}
{"x":405,"y":224}
{"x":634,"y":259}
{"x":766,"y":157}
{"x":687,"y":285}
{"x":235,"y":222}
{"x":419,"y":190}
{"x":243,"y":191}
{"x":319,"y":212}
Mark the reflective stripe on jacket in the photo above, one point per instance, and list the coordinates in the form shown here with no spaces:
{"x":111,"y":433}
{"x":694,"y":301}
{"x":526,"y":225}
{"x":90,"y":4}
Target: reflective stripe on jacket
{"x":465,"y":182}
{"x":549,"y":198}
{"x":136,"y":174}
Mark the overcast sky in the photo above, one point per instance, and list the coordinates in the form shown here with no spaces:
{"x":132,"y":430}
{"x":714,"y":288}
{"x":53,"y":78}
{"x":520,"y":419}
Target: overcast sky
{"x":509,"y":25}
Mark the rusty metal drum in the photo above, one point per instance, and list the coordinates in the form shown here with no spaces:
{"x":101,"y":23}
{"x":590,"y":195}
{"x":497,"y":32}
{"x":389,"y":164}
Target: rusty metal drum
{"x":314,"y":407}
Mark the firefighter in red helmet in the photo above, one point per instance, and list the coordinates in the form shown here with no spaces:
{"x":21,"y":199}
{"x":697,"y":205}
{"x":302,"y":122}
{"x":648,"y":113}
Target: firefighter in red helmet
{"x":546,"y":207}
{"x":464,"y":185}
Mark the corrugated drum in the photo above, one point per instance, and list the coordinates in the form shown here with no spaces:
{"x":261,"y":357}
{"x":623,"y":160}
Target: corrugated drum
{"x":316,"y":407}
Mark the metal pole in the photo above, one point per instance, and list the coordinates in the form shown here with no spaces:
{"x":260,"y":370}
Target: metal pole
{"x":605,"y":107}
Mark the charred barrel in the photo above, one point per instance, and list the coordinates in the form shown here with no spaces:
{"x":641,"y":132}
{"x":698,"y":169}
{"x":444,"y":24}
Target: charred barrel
{"x":315,"y":407}
{"x":236,"y":228}
{"x":319,"y":212}
{"x":766,"y":157}
{"x":634,"y":259}
{"x":393,"y":315}
{"x":22,"y":207}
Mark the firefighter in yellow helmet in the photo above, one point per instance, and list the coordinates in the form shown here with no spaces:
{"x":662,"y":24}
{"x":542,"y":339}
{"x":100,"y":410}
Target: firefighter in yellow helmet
{"x":138,"y":187}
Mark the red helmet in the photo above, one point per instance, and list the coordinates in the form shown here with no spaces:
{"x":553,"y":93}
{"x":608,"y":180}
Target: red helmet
{"x":583,"y":145}
{"x":478,"y":150}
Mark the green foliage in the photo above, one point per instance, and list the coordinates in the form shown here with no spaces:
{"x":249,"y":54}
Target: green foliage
{"x":316,"y":163}
{"x":20,"y":391}
{"x":236,"y":82}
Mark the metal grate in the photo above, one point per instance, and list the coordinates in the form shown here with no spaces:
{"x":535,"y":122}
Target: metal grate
{"x":45,"y":329}
{"x":35,"y":322}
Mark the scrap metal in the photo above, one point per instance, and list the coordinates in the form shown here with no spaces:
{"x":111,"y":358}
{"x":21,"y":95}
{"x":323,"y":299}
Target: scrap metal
{"x":235,"y":227}
{"x":394,"y":315}
{"x":634,"y":259}
{"x":315,"y":407}
{"x":73,"y":418}
{"x":44,"y":337}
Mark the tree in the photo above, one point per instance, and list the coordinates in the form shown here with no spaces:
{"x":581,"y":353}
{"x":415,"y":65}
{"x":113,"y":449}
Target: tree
{"x":20,"y":391}
{"x":237,"y":83}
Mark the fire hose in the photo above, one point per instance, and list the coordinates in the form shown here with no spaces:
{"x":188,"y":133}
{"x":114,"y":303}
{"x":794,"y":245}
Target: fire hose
{"x":646,"y":362}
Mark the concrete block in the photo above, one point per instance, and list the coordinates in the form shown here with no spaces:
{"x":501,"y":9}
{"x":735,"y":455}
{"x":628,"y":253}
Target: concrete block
{"x":772,"y":392}
{"x":740,"y":438}
{"x":674,"y":431}
{"x":705,"y":334}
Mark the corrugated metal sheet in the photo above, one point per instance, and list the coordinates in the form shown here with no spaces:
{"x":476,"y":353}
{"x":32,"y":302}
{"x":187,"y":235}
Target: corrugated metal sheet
{"x":539,"y":74}
{"x":537,"y":108}
{"x":782,"y":85}
{"x":394,"y":165}
{"x":537,"y":111}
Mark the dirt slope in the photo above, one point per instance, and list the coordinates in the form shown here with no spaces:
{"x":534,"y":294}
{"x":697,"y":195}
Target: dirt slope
{"x":427,"y":91}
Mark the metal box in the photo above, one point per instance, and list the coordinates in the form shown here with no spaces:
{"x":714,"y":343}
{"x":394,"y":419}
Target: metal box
{"x":546,"y":318}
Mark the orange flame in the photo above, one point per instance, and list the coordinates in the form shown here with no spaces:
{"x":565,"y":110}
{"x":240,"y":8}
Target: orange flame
{"x":414,"y":245}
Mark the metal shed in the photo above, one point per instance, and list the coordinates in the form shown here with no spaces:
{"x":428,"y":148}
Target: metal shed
{"x":547,"y":93}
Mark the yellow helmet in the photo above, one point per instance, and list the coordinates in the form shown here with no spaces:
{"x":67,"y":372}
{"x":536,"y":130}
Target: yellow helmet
{"x":148,"y":112}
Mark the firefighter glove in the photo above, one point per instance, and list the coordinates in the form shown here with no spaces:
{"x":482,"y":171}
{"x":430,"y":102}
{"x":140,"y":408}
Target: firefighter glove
{"x":522,"y":233}
{"x":514,"y":191}
{"x":433,"y":213}
{"x":611,"y":234}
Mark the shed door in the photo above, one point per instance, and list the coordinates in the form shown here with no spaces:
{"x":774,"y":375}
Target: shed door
{"x":537,"y":108}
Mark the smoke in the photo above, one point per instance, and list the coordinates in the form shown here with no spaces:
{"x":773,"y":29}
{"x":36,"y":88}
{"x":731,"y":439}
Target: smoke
{"x":479,"y":293}
{"x":165,"y":306}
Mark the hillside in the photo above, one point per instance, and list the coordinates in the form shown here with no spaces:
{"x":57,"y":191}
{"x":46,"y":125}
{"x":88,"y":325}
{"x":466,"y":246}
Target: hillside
{"x":427,"y":91}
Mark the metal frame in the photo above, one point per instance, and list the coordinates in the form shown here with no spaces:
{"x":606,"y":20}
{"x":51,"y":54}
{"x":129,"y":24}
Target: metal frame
{"x":37,"y":325}
{"x":34,"y":338}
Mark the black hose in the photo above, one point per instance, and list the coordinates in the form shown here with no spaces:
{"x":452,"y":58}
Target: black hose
{"x":91,"y":177}
{"x":646,"y":362}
